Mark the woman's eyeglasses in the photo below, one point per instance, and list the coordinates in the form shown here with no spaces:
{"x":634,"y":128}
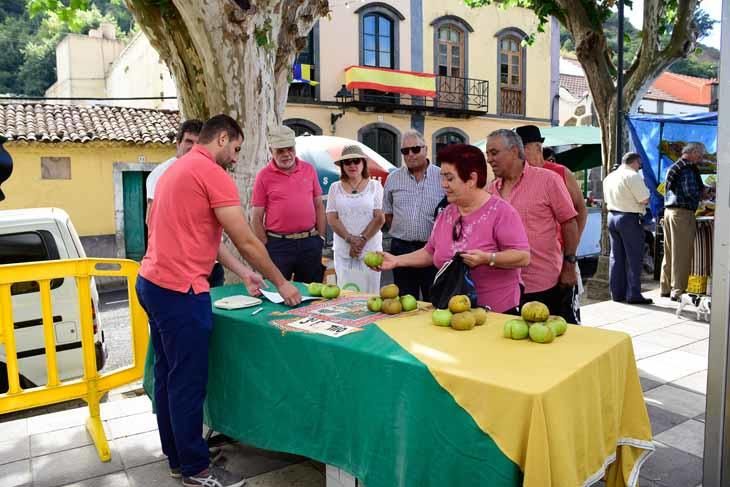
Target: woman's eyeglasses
{"x":351,"y":162}
{"x":456,"y":231}
{"x":416,"y":149}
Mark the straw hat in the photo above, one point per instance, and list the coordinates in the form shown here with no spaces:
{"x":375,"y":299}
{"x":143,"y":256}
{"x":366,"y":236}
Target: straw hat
{"x":351,"y":152}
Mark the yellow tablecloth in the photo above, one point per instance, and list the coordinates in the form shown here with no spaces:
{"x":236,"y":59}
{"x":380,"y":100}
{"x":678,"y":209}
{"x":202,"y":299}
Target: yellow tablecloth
{"x":565,"y":412}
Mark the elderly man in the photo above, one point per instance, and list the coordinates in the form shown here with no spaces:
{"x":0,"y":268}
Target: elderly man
{"x":532,"y":140}
{"x":185,"y":235}
{"x":626,"y":197}
{"x":543,"y":202}
{"x":410,"y":198}
{"x":684,"y":190}
{"x":288,"y":212}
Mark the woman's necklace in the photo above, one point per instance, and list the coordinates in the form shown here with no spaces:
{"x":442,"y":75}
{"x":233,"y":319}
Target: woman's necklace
{"x":354,"y":189}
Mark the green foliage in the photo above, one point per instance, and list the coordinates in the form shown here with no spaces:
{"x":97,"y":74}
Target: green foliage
{"x":28,"y":43}
{"x":262,"y":34}
{"x":703,"y":63}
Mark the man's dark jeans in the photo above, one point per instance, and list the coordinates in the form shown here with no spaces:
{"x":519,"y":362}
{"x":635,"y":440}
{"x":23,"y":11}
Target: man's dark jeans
{"x":180,"y":328}
{"x":558,"y":299}
{"x":301,"y":258}
{"x":627,"y":252}
{"x":412,"y":280}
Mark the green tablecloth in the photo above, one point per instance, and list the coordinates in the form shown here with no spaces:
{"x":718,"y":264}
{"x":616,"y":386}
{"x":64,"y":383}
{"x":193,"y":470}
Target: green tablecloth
{"x":359,"y":402}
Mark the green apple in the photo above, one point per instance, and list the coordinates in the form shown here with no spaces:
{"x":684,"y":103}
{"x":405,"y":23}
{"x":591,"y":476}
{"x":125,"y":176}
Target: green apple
{"x":373,"y":259}
{"x":409,"y":302}
{"x":375,"y":304}
{"x":557,"y":324}
{"x":441,"y":317}
{"x":315,"y":288}
{"x":516,"y":329}
{"x":541,"y":333}
{"x":330,"y":291}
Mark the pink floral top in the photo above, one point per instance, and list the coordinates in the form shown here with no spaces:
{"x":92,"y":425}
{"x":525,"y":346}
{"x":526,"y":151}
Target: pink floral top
{"x":494,"y":227}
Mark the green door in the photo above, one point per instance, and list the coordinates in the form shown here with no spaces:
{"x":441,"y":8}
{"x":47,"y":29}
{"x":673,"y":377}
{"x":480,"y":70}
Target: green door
{"x":135,"y":232}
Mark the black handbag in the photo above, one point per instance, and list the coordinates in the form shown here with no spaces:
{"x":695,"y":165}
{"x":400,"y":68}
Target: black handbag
{"x":453,"y":278}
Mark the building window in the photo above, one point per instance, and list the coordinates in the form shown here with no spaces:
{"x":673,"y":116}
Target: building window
{"x":383,"y":139}
{"x":302,"y":92}
{"x":301,"y":126}
{"x":511,"y":59}
{"x":447,"y":136}
{"x":55,"y":168}
{"x":379,"y":35}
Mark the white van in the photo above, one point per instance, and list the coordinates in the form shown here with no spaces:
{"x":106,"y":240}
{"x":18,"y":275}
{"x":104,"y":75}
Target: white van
{"x":39,"y":234}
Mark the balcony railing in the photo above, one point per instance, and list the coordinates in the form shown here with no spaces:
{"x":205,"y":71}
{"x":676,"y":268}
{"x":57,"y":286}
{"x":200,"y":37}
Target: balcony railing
{"x":454,"y":96}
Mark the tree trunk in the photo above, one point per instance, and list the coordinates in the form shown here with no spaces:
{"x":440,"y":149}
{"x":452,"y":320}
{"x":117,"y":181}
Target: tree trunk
{"x":225,"y":59}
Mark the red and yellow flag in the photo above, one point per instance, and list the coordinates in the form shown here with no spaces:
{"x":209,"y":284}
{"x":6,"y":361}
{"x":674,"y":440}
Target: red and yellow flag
{"x":390,"y":81}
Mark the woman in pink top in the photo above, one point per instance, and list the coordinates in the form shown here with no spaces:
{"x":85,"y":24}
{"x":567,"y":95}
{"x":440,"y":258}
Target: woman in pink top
{"x":485,"y":229}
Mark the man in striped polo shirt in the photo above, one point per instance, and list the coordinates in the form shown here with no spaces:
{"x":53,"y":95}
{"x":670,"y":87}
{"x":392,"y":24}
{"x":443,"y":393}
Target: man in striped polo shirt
{"x":410,"y":197}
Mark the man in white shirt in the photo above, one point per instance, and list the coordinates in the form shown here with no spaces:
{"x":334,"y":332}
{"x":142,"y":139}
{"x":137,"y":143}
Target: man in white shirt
{"x":626,"y":197}
{"x":187,"y":136}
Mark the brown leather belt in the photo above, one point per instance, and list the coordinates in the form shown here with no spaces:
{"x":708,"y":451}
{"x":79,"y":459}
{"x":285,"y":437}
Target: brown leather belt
{"x":294,"y":236}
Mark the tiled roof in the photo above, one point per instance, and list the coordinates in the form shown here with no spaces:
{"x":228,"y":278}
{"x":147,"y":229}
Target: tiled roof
{"x":655,"y":93}
{"x":576,"y":85}
{"x":85,"y":123}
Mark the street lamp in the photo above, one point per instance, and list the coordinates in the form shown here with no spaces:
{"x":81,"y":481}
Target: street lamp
{"x":342,"y":97}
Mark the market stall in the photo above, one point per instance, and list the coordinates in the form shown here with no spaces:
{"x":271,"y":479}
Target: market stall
{"x":660,"y":139}
{"x":402,"y":402}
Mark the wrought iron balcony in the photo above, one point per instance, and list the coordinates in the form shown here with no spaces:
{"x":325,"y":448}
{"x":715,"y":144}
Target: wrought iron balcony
{"x":459,"y":97}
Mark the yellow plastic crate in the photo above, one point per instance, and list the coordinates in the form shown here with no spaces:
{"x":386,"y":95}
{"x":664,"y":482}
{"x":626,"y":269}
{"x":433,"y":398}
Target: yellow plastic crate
{"x":697,"y":284}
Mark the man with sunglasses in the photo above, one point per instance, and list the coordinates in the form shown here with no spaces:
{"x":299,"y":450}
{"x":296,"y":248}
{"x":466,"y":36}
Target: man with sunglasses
{"x":410,"y":198}
{"x":288,"y":211}
{"x":626,"y":198}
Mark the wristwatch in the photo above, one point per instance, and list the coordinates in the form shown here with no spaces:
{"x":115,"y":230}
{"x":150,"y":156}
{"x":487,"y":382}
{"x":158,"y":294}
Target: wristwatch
{"x":492,"y":259}
{"x":570,"y":258}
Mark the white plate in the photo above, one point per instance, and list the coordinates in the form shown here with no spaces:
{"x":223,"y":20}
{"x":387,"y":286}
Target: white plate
{"x":237,"y":302}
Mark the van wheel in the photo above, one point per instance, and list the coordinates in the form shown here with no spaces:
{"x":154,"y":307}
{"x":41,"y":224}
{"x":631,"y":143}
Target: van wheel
{"x":24,"y":382}
{"x":3,"y":378}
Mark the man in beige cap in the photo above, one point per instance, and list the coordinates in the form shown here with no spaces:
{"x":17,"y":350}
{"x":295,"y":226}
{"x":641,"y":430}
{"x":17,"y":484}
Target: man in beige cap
{"x":288,"y":213}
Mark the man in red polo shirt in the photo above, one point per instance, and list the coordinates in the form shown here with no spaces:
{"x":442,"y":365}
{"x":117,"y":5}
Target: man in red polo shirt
{"x":532,"y":140}
{"x":544,"y":205}
{"x":194,"y":203}
{"x":288,"y":212}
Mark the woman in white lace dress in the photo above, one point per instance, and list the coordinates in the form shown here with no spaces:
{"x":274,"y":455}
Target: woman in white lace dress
{"x":354,"y":211}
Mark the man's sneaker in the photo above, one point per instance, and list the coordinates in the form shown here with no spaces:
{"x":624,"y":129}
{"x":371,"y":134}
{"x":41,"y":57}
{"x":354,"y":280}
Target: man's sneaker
{"x":214,"y":477}
{"x":216,"y":455}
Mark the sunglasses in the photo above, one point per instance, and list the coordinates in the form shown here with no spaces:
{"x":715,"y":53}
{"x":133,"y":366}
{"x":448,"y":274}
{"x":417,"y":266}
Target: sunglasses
{"x":416,"y":149}
{"x":456,"y":231}
{"x":351,"y":162}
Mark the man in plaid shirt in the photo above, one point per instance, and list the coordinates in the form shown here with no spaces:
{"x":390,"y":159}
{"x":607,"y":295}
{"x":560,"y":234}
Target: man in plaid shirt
{"x":684,"y":190}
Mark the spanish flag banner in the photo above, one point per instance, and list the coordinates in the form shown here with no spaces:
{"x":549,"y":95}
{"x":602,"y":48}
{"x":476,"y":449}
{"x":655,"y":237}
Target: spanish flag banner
{"x":390,"y":81}
{"x":302,"y":73}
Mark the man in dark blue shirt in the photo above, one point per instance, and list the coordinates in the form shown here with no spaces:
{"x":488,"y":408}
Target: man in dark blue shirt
{"x":683,"y":191}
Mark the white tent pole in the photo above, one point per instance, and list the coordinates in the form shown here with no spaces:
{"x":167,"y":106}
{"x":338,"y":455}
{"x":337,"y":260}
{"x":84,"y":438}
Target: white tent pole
{"x":717,"y":419}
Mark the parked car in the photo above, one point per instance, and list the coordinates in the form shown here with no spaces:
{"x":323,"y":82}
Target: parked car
{"x":42,"y":234}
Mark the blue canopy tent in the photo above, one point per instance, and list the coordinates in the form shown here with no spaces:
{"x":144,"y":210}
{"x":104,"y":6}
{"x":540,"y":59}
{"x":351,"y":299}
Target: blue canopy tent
{"x":649,"y":131}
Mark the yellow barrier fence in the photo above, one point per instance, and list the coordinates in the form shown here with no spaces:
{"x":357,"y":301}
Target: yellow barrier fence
{"x":92,"y":386}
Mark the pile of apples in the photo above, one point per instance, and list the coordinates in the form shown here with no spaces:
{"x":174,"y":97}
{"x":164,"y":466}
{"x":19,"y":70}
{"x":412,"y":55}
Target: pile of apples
{"x":327,"y":291}
{"x":390,"y":303}
{"x":460,"y":315}
{"x":536,"y":323}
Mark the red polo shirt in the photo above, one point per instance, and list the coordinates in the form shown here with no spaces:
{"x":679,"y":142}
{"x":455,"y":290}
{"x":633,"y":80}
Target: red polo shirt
{"x":287,"y":198}
{"x":184,"y":233}
{"x":543,"y":202}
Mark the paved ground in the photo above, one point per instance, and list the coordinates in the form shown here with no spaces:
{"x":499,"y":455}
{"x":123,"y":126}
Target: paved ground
{"x":53,"y":450}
